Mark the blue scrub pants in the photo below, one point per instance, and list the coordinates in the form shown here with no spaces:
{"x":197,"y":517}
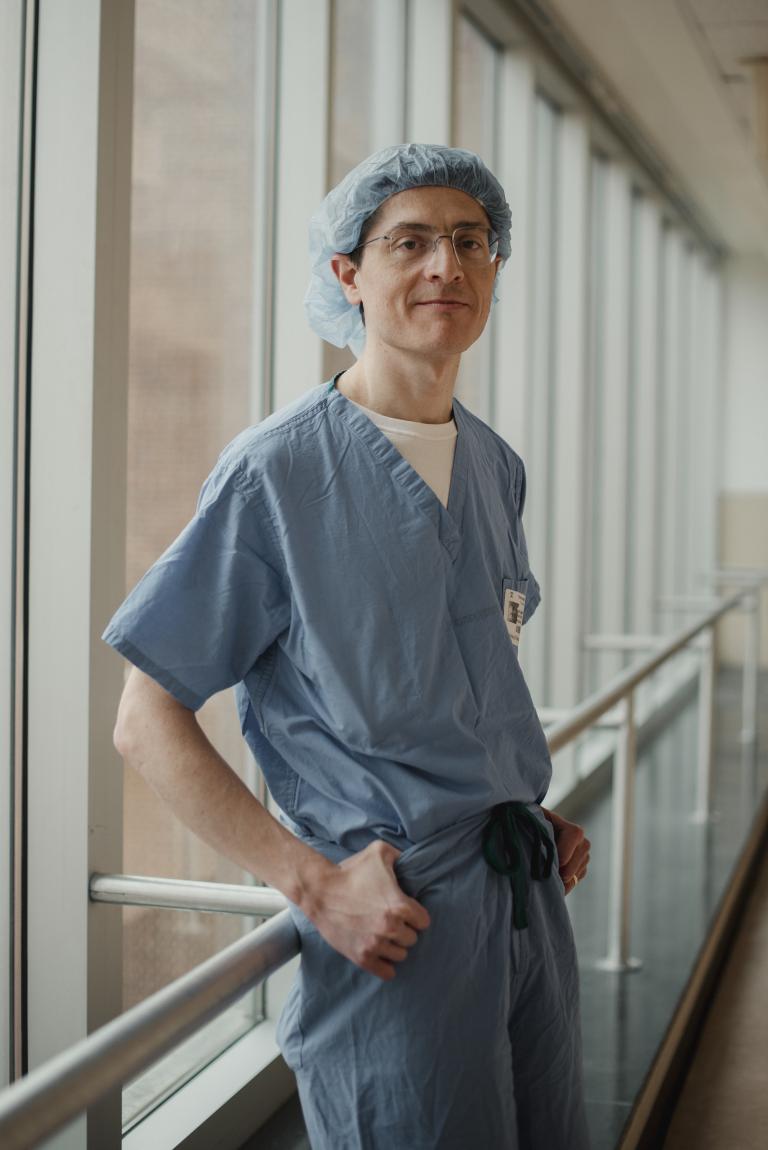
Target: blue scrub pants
{"x":476,"y":1041}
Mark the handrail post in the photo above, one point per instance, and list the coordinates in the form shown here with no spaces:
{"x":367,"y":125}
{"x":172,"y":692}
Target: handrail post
{"x":703,"y":812}
{"x":625,"y":756}
{"x":751,"y":660}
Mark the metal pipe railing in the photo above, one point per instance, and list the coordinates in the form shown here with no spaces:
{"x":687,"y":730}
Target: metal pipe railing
{"x":180,"y":894}
{"x":52,"y":1095}
{"x":622,"y":688}
{"x":49,"y":1097}
{"x":587,"y":712}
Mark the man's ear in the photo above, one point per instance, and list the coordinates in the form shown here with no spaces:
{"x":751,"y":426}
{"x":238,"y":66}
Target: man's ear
{"x":346,"y":273}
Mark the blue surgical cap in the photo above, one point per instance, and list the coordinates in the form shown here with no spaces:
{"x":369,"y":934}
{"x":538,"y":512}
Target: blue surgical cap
{"x":337,"y":225}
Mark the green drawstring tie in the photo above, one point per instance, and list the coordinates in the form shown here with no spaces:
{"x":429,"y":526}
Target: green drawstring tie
{"x":503,"y":851}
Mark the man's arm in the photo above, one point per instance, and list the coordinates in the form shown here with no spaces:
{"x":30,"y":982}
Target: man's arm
{"x":572,"y":849}
{"x":358,"y":907}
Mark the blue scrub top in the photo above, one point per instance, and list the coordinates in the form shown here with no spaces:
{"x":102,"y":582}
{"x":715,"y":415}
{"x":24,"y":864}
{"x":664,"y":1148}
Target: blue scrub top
{"x":360,"y":621}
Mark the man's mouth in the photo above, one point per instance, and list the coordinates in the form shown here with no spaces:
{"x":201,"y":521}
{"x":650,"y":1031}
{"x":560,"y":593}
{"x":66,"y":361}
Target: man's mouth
{"x":442,"y":304}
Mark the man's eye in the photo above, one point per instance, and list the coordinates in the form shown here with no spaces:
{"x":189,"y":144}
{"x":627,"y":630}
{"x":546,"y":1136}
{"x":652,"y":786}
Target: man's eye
{"x":408,"y":244}
{"x":472,"y":242}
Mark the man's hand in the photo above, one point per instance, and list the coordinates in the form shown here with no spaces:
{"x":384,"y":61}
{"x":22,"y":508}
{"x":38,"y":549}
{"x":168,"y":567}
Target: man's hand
{"x":362,"y":912}
{"x":572,"y":849}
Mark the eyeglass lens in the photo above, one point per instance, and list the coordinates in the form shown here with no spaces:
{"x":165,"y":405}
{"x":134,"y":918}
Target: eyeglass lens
{"x":471,"y":245}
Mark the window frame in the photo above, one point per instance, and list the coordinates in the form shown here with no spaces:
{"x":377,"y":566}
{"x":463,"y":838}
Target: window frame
{"x":76,"y":500}
{"x":14,"y":233}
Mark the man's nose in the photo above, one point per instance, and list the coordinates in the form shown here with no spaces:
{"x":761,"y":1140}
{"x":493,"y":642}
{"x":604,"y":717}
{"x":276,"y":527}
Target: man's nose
{"x":442,"y":262}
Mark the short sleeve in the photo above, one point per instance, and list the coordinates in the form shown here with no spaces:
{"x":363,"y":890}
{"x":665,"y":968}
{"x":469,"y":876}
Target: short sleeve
{"x":201,"y":617}
{"x":533,"y":594}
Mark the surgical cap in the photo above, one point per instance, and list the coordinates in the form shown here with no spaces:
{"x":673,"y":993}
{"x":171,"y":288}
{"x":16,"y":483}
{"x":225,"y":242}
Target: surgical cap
{"x":337,"y":225}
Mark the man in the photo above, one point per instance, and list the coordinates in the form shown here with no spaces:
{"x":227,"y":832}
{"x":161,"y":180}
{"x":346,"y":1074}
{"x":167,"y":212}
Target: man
{"x":357,"y":567}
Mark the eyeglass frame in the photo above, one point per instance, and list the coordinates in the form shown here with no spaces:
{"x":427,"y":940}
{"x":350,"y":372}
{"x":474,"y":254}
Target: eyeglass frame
{"x":493,"y":244}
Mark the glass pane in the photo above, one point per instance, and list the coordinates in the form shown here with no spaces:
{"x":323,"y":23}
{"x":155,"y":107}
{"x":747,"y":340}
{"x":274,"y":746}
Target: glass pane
{"x":667,"y":414}
{"x":635,"y":255}
{"x":351,"y":92}
{"x":686,"y":426}
{"x":351,"y":141}
{"x":476,"y":129}
{"x":477,"y":67}
{"x":541,"y":387}
{"x":194,"y":264}
{"x":595,"y":341}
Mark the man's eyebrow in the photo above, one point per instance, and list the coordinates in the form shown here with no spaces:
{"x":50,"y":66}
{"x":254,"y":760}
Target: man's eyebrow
{"x":429,"y":227}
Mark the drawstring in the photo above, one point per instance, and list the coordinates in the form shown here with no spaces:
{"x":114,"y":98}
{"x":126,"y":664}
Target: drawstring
{"x":503,"y":851}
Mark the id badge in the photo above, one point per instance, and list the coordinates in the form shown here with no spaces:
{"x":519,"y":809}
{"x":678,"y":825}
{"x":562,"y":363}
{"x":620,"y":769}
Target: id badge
{"x":514,"y":606}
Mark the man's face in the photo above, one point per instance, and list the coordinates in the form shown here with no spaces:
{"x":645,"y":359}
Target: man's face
{"x":435,"y":307}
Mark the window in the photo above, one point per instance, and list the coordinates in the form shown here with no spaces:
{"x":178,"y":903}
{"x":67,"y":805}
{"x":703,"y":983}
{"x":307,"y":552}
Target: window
{"x":352,"y":102}
{"x":610,"y":298}
{"x":544,"y":256}
{"x":667,"y":428}
{"x":368,"y":56}
{"x":642,"y":536}
{"x":476,"y":118}
{"x":194,"y":382}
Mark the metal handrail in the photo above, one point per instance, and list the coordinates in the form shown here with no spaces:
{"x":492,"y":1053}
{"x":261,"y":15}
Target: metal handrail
{"x":594,"y":706}
{"x":621,"y":692}
{"x":52,"y":1095}
{"x":181,"y":894}
{"x":47,"y":1098}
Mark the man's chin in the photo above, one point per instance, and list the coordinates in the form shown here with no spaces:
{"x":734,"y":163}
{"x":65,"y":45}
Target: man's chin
{"x":441,"y":337}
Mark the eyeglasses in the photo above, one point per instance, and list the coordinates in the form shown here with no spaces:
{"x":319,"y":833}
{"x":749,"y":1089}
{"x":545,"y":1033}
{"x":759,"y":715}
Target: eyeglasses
{"x":472,"y":246}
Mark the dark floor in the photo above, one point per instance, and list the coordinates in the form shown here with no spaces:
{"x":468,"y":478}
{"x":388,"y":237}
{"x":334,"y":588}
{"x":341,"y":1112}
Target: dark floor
{"x":724,"y":1102}
{"x":284,"y":1131}
{"x":680,"y":870}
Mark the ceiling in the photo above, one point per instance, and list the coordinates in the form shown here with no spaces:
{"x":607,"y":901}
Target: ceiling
{"x":733,"y":32}
{"x":679,"y":69}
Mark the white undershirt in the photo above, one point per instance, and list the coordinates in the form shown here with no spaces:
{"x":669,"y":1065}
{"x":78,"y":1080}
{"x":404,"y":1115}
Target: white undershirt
{"x":428,"y":447}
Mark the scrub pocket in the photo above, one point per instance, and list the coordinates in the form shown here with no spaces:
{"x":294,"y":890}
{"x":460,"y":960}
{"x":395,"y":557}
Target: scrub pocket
{"x":515,"y":606}
{"x":488,"y":641}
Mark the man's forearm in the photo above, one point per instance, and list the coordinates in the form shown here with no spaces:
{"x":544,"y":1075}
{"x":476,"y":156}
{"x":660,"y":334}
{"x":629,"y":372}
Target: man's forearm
{"x":357,"y":906}
{"x":161,"y":739}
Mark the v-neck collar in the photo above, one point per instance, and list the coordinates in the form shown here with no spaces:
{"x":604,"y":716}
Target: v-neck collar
{"x":447,"y":520}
